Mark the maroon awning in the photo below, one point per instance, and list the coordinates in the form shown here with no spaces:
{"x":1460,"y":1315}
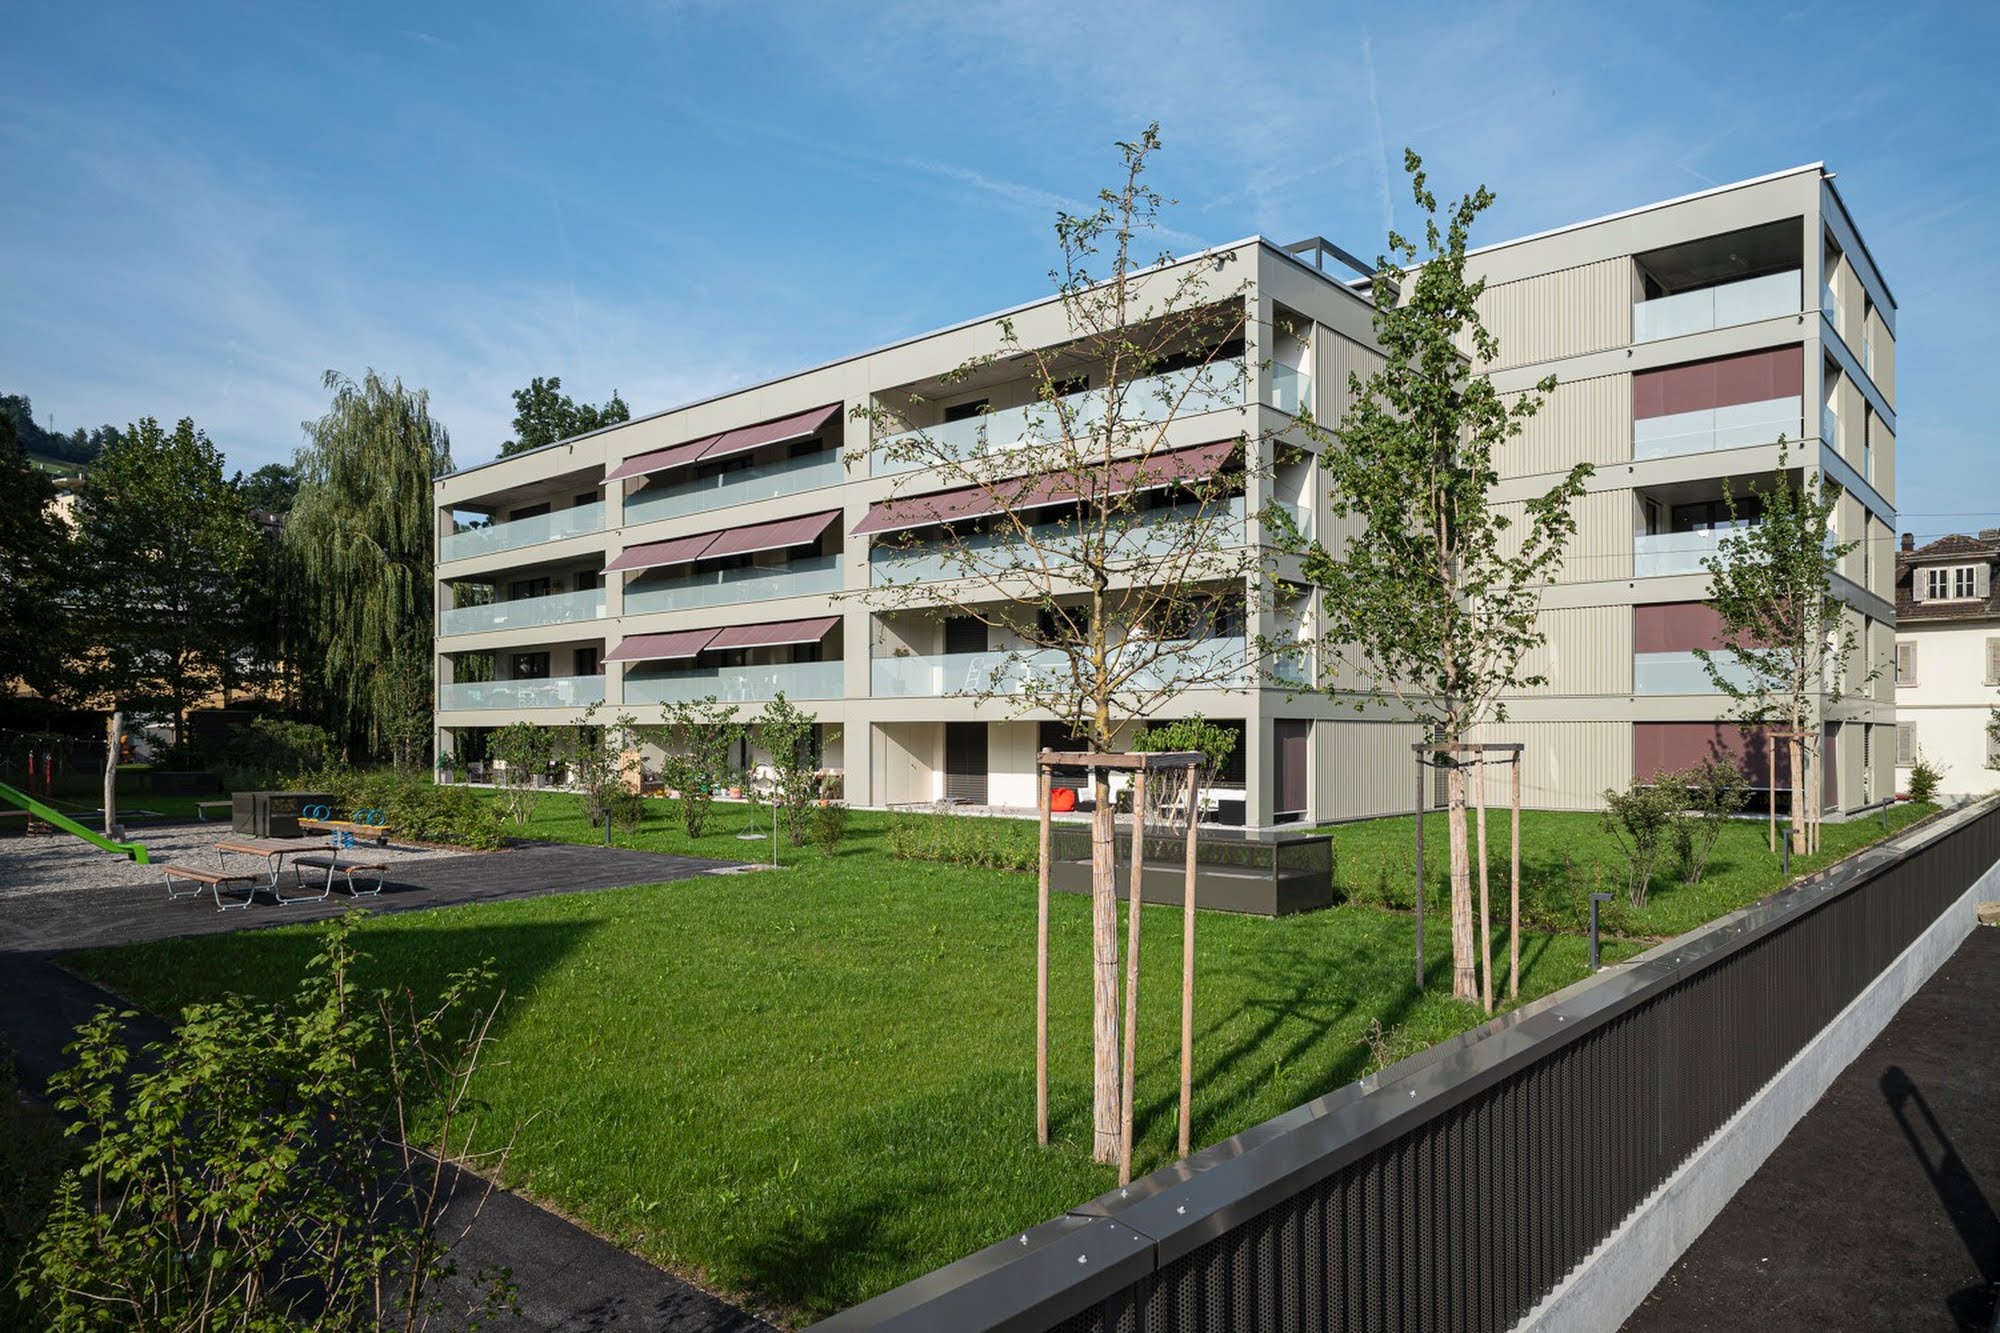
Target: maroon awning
{"x":662,"y":459}
{"x":661,"y":647}
{"x":799,"y":426}
{"x":771,"y":536}
{"x":1133,"y":474}
{"x":779,"y":632}
{"x":675,"y":551}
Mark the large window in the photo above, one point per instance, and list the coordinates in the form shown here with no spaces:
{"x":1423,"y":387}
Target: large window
{"x":1951,"y":583}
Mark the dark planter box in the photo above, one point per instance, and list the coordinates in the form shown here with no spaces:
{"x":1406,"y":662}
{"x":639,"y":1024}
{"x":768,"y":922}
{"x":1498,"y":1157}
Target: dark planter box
{"x":272,"y":814}
{"x":1265,"y":874}
{"x":184,"y":784}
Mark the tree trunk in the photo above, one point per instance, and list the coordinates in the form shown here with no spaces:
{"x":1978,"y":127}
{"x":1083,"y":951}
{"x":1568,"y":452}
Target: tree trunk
{"x":1105,"y":1110}
{"x":1464,"y":975}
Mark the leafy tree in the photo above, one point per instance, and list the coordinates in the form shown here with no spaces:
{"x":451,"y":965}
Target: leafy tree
{"x":544,"y":414}
{"x":523,"y":750}
{"x":1787,"y":636}
{"x":268,"y":1167}
{"x":361,"y":530}
{"x":695,"y":743}
{"x":1435,"y":600}
{"x":1214,"y":743}
{"x":786,"y":732}
{"x":1111,"y":604}
{"x":34,"y":562}
{"x":601,"y":758}
{"x":166,"y":551}
{"x":271,"y":488}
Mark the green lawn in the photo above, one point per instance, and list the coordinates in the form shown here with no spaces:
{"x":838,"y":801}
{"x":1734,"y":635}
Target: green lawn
{"x":808,"y":1086}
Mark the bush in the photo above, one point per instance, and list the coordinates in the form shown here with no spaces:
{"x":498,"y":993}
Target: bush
{"x":271,"y":746}
{"x":829,"y":827}
{"x":1642,"y":821}
{"x":1924,"y":779}
{"x":524,"y":749}
{"x":260,"y":1169}
{"x":1704,"y":797}
{"x":628,"y":810}
{"x":986,"y":844}
{"x":414,"y":806}
{"x":695,"y":743}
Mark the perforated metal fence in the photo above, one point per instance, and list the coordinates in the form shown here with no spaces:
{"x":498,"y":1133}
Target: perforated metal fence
{"x":1461,"y":1187}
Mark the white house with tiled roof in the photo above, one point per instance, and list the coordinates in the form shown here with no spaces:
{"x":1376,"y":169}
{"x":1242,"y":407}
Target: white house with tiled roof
{"x":1948,"y":660}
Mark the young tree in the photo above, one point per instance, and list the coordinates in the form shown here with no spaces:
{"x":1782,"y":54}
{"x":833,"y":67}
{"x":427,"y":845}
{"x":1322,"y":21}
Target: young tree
{"x":1787,"y":636}
{"x":786,"y":733}
{"x":34,"y":565}
{"x":695,"y":744}
{"x":544,"y":414}
{"x":1435,"y":599}
{"x":166,"y":551}
{"x":361,"y":529}
{"x":1102,"y":602}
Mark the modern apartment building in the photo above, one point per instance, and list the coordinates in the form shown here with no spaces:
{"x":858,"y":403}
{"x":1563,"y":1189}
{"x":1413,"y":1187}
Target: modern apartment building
{"x":1948,"y":660}
{"x":729,"y":547}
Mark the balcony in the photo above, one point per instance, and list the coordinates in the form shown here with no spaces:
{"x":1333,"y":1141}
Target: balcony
{"x":1683,"y":673}
{"x":523,"y":612}
{"x":1710,"y":429}
{"x":1147,"y":535}
{"x":1288,"y":389}
{"x":741,"y":684}
{"x":549,"y":692}
{"x":1716,"y":307}
{"x":1655,"y":555}
{"x":750,"y":583}
{"x":1206,"y":388}
{"x":553,"y":526}
{"x":1204,"y":664}
{"x":763,"y":482}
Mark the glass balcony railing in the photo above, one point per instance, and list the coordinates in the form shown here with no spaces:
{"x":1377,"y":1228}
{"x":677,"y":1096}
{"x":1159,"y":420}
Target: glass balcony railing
{"x":1149,"y":533}
{"x":1716,"y":307}
{"x":1829,"y":426}
{"x":1658,"y":554}
{"x":523,"y":612}
{"x":1683,"y":673}
{"x":549,"y":692}
{"x":1178,"y":393}
{"x":744,"y":684}
{"x":1302,"y":517}
{"x":1829,"y":305}
{"x":523,"y":532}
{"x":751,"y":583}
{"x":1203,"y":664}
{"x":1288,"y":388}
{"x":762,"y":482}
{"x":1735,"y":427}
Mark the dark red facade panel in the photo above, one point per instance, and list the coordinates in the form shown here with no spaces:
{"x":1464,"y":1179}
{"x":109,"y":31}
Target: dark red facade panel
{"x":1752,"y":377}
{"x":1676,"y":627}
{"x":1662,"y":747}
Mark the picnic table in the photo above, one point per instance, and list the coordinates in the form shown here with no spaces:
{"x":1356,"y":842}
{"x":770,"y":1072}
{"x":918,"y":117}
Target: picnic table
{"x":272,"y":850}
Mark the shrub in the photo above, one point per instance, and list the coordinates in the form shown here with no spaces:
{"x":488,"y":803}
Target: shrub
{"x":270,"y":746}
{"x":627,"y":809}
{"x":695,"y":745}
{"x":524,"y":749}
{"x":786,"y":733}
{"x":1641,"y":820}
{"x":986,"y":844}
{"x":1924,"y":779}
{"x":829,"y":827}
{"x":414,"y":806}
{"x":261,"y":1168}
{"x":1704,"y":798}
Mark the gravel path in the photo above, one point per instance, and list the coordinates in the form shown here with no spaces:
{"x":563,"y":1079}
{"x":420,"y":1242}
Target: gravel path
{"x":59,"y":863}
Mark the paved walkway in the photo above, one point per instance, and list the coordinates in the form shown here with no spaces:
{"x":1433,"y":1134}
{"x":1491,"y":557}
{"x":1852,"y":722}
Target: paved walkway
{"x":569,"y":1280}
{"x":1878,"y":1211}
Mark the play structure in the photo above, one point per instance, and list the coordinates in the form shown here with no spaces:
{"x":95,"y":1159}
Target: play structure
{"x":41,"y":771}
{"x":56,"y":819}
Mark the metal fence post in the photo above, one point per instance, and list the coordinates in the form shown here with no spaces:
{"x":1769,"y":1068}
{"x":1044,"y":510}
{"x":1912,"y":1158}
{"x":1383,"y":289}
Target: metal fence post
{"x":1595,"y":899}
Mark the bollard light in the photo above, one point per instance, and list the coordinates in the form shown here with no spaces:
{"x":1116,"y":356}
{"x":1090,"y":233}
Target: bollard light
{"x":1595,"y":899}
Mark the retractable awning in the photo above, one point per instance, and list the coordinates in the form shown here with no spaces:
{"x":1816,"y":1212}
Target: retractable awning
{"x":775,"y":536}
{"x":798,"y":426}
{"x":776,"y":633}
{"x":674,"y":551}
{"x":661,"y":647}
{"x":1167,"y":468}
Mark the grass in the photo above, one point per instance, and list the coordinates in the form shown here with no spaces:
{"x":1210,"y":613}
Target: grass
{"x":808,"y":1086}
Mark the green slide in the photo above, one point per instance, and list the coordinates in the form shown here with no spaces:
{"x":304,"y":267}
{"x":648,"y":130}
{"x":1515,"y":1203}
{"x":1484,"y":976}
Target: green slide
{"x":62,"y":821}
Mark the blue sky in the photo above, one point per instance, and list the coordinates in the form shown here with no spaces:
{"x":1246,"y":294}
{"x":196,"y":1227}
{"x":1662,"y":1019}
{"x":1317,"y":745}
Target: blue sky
{"x":213,"y":203}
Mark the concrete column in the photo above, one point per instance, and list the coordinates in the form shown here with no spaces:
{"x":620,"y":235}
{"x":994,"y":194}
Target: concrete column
{"x":1258,"y":757}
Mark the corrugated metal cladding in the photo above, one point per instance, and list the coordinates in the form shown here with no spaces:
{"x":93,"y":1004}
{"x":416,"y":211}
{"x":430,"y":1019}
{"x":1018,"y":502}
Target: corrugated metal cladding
{"x":1567,"y":765}
{"x":1587,"y":650}
{"x":1551,"y":315}
{"x":1601,"y":546}
{"x":1588,"y":421}
{"x":1334,"y":359}
{"x":1358,"y":763}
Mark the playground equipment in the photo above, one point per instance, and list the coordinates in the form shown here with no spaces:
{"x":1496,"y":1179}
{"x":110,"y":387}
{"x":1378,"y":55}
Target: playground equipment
{"x":58,"y":820}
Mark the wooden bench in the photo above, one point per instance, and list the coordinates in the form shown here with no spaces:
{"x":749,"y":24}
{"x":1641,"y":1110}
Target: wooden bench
{"x":337,"y":865}
{"x":201,"y":808}
{"x":212,"y":880}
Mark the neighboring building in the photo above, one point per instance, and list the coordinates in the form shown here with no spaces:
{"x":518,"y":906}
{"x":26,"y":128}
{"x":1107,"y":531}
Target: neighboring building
{"x":1947,"y":667}
{"x":705,"y":549}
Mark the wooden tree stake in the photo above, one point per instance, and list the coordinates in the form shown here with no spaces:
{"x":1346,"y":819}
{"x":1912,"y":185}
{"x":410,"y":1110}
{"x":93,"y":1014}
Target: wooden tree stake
{"x":1187,"y":960}
{"x":1771,"y":793}
{"x":1042,"y":972}
{"x":1132,"y":976}
{"x":1514,"y":894}
{"x":1485,"y":915}
{"x":1420,"y":866}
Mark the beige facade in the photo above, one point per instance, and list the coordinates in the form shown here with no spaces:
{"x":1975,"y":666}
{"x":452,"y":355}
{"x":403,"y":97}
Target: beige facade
{"x":1758,"y":272}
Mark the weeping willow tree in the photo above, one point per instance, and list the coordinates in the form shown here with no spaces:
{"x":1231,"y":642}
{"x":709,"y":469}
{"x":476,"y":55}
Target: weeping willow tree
{"x":361,"y":531}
